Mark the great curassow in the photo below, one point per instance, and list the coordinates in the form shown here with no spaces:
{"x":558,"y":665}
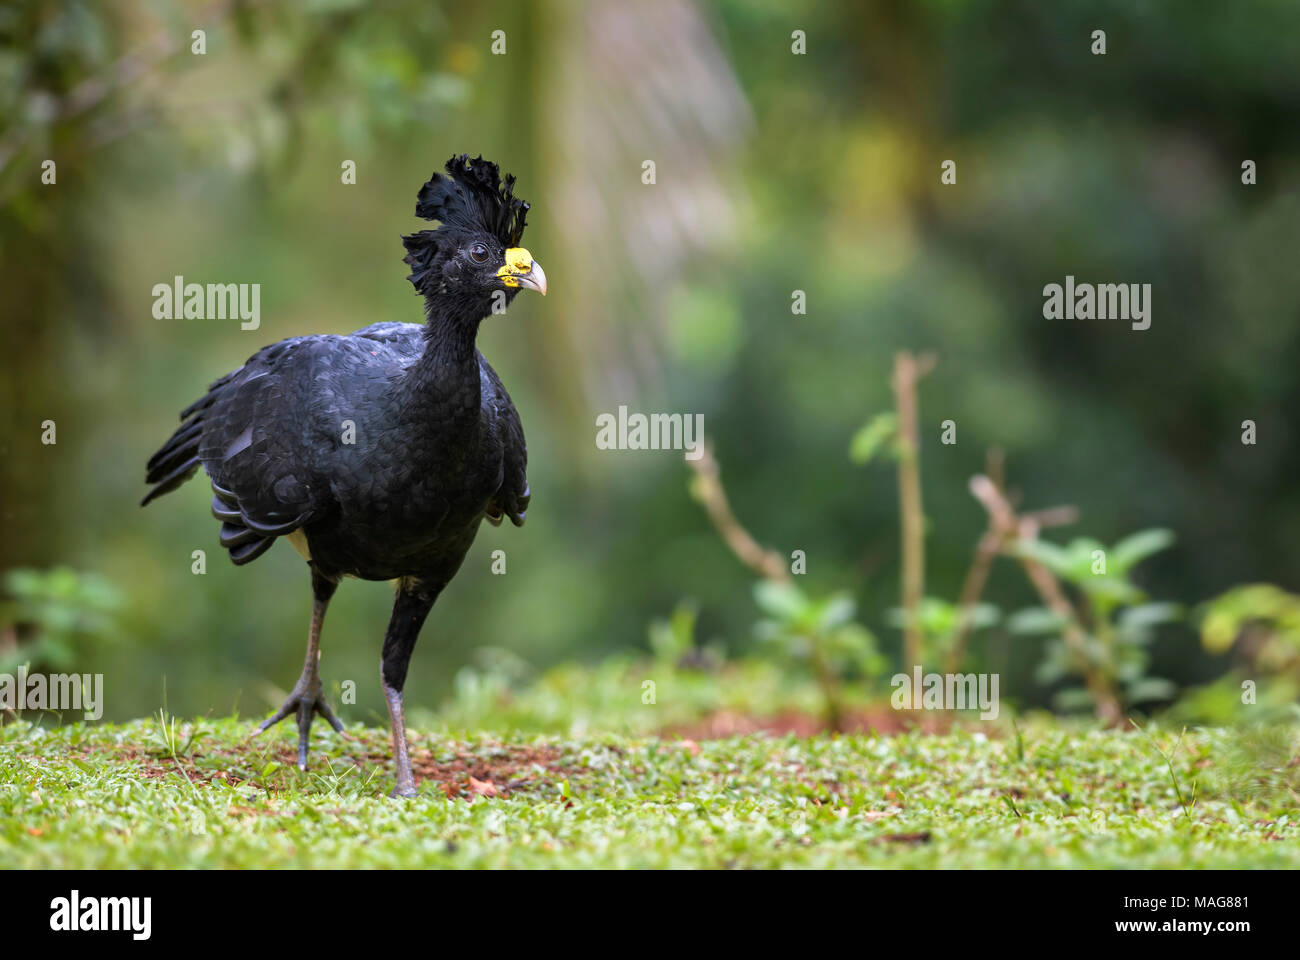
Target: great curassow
{"x":379,"y":453}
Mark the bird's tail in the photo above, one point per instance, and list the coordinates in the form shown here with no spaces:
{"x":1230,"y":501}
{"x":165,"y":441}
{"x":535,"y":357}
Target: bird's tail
{"x":178,"y":459}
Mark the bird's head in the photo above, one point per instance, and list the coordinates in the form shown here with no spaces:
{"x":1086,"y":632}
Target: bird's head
{"x":472,"y":260}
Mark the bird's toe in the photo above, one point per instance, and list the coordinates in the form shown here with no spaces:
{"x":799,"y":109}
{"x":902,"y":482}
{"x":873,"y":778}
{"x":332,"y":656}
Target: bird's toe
{"x":304,"y":703}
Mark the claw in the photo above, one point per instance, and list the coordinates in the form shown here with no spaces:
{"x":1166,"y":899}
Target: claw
{"x":278,"y":715}
{"x":328,"y":714}
{"x":305,"y":713}
{"x":306,"y":705}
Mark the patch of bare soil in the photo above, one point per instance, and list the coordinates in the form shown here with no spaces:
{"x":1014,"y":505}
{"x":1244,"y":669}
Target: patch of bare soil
{"x":506,"y":770}
{"x":499,"y":770}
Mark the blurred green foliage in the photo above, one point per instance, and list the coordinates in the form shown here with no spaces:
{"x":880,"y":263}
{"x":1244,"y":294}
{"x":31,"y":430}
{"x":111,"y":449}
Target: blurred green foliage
{"x":53,"y":619}
{"x":872,"y":437}
{"x":819,"y":635}
{"x":1269,"y":614}
{"x":942,"y":622}
{"x":1260,"y":624}
{"x":1116,"y":622}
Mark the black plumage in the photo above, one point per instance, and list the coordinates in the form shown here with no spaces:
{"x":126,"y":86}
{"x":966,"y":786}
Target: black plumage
{"x":378,"y":453}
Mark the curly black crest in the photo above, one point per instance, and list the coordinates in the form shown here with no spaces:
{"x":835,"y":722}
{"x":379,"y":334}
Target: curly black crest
{"x":472,"y":195}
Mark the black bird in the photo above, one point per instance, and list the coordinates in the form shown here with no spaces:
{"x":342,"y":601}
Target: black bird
{"x":377,"y":454}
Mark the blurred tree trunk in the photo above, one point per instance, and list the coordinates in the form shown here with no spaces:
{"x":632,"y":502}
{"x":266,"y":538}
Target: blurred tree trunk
{"x":619,"y":83}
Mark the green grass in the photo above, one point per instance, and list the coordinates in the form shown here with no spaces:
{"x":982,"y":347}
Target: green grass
{"x":201,"y":794}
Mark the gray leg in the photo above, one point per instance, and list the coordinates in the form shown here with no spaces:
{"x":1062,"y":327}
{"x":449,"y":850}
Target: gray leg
{"x":397,"y":719}
{"x":306,"y":698}
{"x":412,"y":605}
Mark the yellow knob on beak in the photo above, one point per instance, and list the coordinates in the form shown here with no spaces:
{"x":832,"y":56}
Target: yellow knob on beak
{"x":521,"y":270}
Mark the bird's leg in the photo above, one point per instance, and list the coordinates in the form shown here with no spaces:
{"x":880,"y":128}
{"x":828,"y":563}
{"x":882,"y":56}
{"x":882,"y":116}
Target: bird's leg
{"x":414,"y":600}
{"x":397,"y":720}
{"x":306,"y":698}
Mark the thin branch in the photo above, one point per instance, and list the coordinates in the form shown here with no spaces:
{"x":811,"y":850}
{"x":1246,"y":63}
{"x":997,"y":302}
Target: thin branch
{"x":768,"y":564}
{"x":708,"y":489}
{"x":908,"y":371}
{"x":972,"y":588}
{"x":1013,"y":529}
{"x":989,"y":545}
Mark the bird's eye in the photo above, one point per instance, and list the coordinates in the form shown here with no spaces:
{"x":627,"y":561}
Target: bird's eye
{"x":478,"y":253}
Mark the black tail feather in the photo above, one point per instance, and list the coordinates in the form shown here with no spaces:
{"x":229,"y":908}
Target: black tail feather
{"x":178,"y":460}
{"x":233,"y":535}
{"x":246,"y":539}
{"x":179,"y":444}
{"x":169,"y":482}
{"x":225,"y":512}
{"x":250,"y":551}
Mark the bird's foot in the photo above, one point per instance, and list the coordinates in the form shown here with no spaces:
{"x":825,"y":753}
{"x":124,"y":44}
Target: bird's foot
{"x":306,"y":701}
{"x":406,"y":790}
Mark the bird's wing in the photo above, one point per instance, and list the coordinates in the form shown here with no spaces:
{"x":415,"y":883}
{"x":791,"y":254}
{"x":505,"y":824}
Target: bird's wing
{"x":406,"y":338}
{"x":504,"y":428}
{"x":262,"y":443}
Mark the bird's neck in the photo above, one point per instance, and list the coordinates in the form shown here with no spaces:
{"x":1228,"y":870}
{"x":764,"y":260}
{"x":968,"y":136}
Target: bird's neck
{"x":449,"y":343}
{"x":443,"y":384}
